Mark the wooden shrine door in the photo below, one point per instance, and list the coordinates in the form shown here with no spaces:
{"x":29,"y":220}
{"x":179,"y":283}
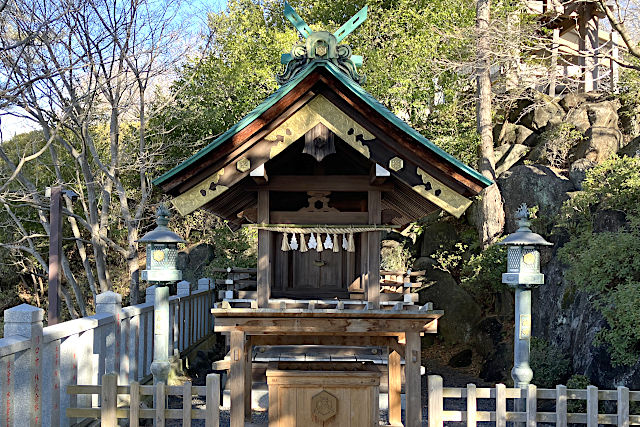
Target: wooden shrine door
{"x":312,"y":274}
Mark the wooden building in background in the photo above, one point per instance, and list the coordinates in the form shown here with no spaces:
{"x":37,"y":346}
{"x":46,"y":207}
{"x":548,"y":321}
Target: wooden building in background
{"x":322,"y":161}
{"x":583,"y":51}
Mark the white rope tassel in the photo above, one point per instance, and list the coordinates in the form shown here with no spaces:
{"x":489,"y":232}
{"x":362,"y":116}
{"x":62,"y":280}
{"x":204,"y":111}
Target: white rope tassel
{"x":319,"y":240}
{"x":351,"y":247}
{"x":294,"y":242}
{"x":313,"y":244}
{"x":303,"y":244}
{"x":345,"y":242}
{"x":336,"y":246}
{"x":285,"y":243}
{"x":328,"y":243}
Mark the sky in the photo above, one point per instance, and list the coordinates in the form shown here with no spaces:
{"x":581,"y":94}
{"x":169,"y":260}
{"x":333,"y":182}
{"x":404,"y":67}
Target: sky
{"x":194,"y":12}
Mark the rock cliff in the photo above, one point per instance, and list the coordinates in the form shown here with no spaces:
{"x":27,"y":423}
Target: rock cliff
{"x":542,"y":155}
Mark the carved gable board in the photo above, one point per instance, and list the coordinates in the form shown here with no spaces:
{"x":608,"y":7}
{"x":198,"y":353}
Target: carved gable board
{"x":321,"y":102}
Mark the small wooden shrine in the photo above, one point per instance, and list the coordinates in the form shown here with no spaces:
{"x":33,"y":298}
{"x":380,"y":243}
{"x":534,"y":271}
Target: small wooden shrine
{"x":322,"y":169}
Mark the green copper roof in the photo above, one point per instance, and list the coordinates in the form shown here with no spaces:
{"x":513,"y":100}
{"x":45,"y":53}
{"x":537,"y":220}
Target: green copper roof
{"x":356,"y":89}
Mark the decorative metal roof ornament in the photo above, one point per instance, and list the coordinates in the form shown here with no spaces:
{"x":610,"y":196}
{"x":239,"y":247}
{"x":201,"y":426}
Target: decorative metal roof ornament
{"x":322,"y":45}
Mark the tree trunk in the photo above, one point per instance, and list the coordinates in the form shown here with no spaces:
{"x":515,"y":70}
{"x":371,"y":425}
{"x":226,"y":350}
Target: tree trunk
{"x":490,"y":223}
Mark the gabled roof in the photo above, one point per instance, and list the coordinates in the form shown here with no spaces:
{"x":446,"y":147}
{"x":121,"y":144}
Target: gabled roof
{"x":356,"y":89}
{"x":322,"y":93}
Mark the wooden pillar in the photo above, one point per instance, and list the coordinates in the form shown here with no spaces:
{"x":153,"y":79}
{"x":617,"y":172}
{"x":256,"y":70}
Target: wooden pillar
{"x":588,"y":45}
{"x":237,"y":378}
{"x":553,"y":72}
{"x":413,"y":380}
{"x":55,"y":253}
{"x":373,"y":250}
{"x":395,"y":383}
{"x":264,"y":250}
{"x":247,"y":380}
{"x":615,"y":67}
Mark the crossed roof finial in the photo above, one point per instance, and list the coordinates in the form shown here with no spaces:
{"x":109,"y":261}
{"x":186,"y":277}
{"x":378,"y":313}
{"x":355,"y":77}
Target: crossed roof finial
{"x":322,"y":45}
{"x":340,"y":33}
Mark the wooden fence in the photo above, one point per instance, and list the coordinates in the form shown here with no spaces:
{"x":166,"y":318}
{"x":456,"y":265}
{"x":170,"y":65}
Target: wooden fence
{"x":559,"y":399}
{"x":110,"y":411}
{"x":38,"y":364}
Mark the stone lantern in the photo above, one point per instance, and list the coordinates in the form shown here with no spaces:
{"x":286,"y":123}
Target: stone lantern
{"x":162,"y":251}
{"x":523,"y":272}
{"x":162,"y":256}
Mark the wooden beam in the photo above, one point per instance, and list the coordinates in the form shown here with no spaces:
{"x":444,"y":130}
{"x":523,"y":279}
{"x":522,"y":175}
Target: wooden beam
{"x":259,"y":175}
{"x":378,"y":175}
{"x":554,"y":62}
{"x":413,"y":380}
{"x":238,"y":143}
{"x":394,"y":142}
{"x":395,"y":386}
{"x":264,"y":251}
{"x":237,"y":378}
{"x":588,"y":45}
{"x":331,"y":326}
{"x":286,"y":217}
{"x":247,"y":379}
{"x":373,"y":250}
{"x":304,"y":183}
{"x":328,"y":340}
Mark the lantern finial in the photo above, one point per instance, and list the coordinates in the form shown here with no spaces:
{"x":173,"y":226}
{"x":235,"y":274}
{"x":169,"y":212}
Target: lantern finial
{"x":162,"y":215}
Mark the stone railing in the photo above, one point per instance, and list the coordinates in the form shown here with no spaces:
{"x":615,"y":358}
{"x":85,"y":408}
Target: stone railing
{"x":37,"y":364}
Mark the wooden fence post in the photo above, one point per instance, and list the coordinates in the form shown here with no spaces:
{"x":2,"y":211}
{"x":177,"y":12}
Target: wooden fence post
{"x":561,"y":406}
{"x":472,"y":406}
{"x":435,"y":400}
{"x":186,"y":404}
{"x":592,"y":406}
{"x":501,"y":405}
{"x":160,"y":400}
{"x":213,"y":400}
{"x":623,"y":407}
{"x":108,"y":416}
{"x":134,"y":404}
{"x":532,"y":405}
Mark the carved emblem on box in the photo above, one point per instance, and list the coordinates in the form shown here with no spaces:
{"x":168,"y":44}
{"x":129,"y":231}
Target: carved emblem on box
{"x":324,"y":406}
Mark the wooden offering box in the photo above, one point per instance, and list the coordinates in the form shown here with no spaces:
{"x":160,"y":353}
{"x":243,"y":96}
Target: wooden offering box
{"x":304,"y":395}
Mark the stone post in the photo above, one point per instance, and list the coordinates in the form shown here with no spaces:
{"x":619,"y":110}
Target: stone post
{"x":160,"y":365}
{"x":111,"y":303}
{"x":26,"y":321}
{"x":204,"y":284}
{"x":184,"y":288}
{"x":521,"y":372}
{"x":151,"y":294}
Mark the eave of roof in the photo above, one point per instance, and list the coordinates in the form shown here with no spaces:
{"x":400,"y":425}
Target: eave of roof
{"x":351,"y":85}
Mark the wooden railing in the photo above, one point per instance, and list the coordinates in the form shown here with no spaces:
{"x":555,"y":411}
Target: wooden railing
{"x":532,"y":396}
{"x":110,"y":411}
{"x":234,"y":286}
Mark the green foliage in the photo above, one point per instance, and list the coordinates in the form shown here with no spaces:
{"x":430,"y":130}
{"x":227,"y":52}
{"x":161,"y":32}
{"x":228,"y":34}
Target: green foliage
{"x":601,"y":264}
{"x":450,"y":260}
{"x":404,"y":44}
{"x":612,"y":185}
{"x":577,"y":382}
{"x":232,"y":248}
{"x":558,"y":142}
{"x":482,"y":274}
{"x":395,"y":257}
{"x":549,"y":364}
